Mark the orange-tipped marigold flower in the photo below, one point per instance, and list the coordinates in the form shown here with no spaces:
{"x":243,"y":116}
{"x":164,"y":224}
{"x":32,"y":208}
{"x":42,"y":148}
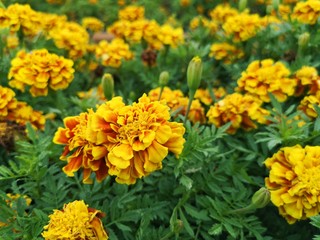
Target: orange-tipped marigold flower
{"x":263,"y":77}
{"x":7,"y":101}
{"x":293,"y":181}
{"x":307,"y":12}
{"x":76,"y":221}
{"x":40,"y":69}
{"x":307,"y":105}
{"x":307,"y":77}
{"x":137,"y":137}
{"x":111,"y":54}
{"x":241,"y":110}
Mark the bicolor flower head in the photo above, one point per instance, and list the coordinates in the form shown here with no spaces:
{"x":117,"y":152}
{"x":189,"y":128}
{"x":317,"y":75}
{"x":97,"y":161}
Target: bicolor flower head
{"x":307,"y":12}
{"x":294,"y":182}
{"x":76,"y":221}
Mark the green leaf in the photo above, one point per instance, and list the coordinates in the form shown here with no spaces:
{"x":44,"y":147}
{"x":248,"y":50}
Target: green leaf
{"x":186,"y":181}
{"x":186,"y":224}
{"x":216,"y":229}
{"x":123,"y":227}
{"x":196,"y":213}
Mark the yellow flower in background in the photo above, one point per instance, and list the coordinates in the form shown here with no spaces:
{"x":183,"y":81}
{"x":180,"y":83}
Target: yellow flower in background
{"x":243,"y":111}
{"x":18,"y":16}
{"x":226,"y":52}
{"x":12,"y":41}
{"x":92,"y":23}
{"x":40,"y":69}
{"x":131,"y":13}
{"x":8,"y":101}
{"x":307,"y":12}
{"x":222,"y":12}
{"x":307,"y":78}
{"x":294,"y":182}
{"x":204,"y":95}
{"x":184,"y":3}
{"x":267,"y":76}
{"x":70,"y":36}
{"x":79,"y":152}
{"x":113,"y":53}
{"x":171,"y":36}
{"x":138,"y":137}
{"x":76,"y":221}
{"x":242,"y":27}
{"x":118,"y":28}
{"x":307,"y":104}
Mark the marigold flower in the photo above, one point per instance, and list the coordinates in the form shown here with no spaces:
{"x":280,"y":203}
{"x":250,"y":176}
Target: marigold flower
{"x":40,"y":69}
{"x":263,"y":77}
{"x":171,"y":36}
{"x":307,"y":77}
{"x":92,"y":23}
{"x":131,"y":13}
{"x":307,"y":104}
{"x":111,"y":54}
{"x":307,"y":12}
{"x":222,"y":12}
{"x":293,"y":181}
{"x":138,"y":137}
{"x":241,"y":110}
{"x":12,"y":41}
{"x":204,"y":95}
{"x":242,"y":26}
{"x":72,"y":37}
{"x":226,"y":52}
{"x":7,"y":101}
{"x":76,"y":221}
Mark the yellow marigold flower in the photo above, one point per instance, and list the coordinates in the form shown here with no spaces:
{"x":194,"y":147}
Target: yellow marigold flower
{"x":241,"y":110}
{"x":79,"y":152}
{"x":7,"y":101}
{"x":111,"y":54}
{"x":118,"y":28}
{"x":307,"y":12}
{"x":204,"y":95}
{"x":307,"y":77}
{"x":226,"y":52}
{"x":307,"y":104}
{"x":12,"y":41}
{"x":131,"y":13}
{"x":92,"y":23}
{"x":263,"y":77}
{"x":171,"y":36}
{"x":222,"y":12}
{"x":72,"y":37}
{"x":138,"y":137}
{"x":150,"y":34}
{"x":96,"y":93}
{"x":50,"y":21}
{"x":242,"y":26}
{"x":40,"y":69}
{"x":76,"y":221}
{"x":18,"y":16}
{"x":293,"y":181}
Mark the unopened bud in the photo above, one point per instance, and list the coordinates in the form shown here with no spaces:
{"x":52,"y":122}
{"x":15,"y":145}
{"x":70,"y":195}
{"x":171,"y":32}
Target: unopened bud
{"x":163,"y":78}
{"x":303,"y":39}
{"x":260,"y":198}
{"x":194,"y":73}
{"x":275,"y":4}
{"x":242,"y":5}
{"x":107,"y":85}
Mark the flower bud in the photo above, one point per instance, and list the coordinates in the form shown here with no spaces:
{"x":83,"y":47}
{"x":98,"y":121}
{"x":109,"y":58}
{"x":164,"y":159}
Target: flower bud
{"x":275,"y":4}
{"x":194,"y":73}
{"x":163,"y":78}
{"x":303,"y":39}
{"x":107,"y":85}
{"x":242,"y":5}
{"x":260,"y":198}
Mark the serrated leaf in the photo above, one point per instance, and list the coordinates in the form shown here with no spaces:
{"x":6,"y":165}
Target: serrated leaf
{"x":216,"y":229}
{"x":186,"y":224}
{"x":195,"y":213}
{"x":186,"y":181}
{"x":123,"y":227}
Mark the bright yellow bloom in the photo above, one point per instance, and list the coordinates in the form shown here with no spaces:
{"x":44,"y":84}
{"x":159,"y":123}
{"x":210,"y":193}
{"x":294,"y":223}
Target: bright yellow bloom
{"x":18,"y":16}
{"x":222,"y":12}
{"x":240,"y":110}
{"x":171,"y":36}
{"x":137,"y":137}
{"x":307,"y":77}
{"x":204,"y":95}
{"x":7,"y":101}
{"x":79,"y":152}
{"x":307,"y":12}
{"x":294,"y":182}
{"x":242,"y":26}
{"x":92,"y":23}
{"x":177,"y":103}
{"x":12,"y":41}
{"x":226,"y":52}
{"x":131,"y":13}
{"x":72,"y":37}
{"x":307,"y":104}
{"x":40,"y":69}
{"x":263,"y":77}
{"x":111,"y":54}
{"x":76,"y":221}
